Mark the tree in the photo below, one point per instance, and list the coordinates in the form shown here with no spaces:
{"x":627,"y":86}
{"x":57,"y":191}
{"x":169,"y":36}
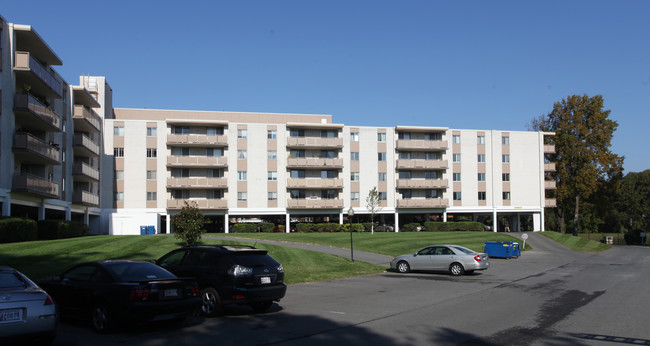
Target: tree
{"x":634,"y":201}
{"x":583,"y":135}
{"x":373,"y":205}
{"x":188,"y":224}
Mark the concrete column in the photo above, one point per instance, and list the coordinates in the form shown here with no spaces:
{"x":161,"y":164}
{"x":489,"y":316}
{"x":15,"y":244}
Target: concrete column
{"x":396,"y":221}
{"x":444,"y":216}
{"x":226,"y":226}
{"x":6,"y":206}
{"x":341,"y":217}
{"x":287,"y":223}
{"x":518,"y":229}
{"x":68,"y":213}
{"x":494,"y":220}
{"x":87,"y":218}
{"x":41,"y":212}
{"x":168,"y":223}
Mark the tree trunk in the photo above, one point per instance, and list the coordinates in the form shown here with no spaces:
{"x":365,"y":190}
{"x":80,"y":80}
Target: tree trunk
{"x":576,"y":217}
{"x":560,"y":219}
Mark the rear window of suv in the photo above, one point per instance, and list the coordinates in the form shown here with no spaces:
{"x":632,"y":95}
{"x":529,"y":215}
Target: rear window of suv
{"x":252,"y":259}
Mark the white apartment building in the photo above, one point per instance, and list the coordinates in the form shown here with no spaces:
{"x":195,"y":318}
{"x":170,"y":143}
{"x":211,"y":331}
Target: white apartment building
{"x":66,"y":153}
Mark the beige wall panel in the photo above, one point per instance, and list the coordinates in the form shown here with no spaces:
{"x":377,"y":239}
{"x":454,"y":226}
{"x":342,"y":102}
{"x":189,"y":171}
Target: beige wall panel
{"x":119,"y":164}
{"x":152,"y":164}
{"x":118,"y":142}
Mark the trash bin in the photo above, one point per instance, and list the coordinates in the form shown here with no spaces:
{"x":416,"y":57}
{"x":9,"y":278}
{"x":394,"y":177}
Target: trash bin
{"x":504,"y":249}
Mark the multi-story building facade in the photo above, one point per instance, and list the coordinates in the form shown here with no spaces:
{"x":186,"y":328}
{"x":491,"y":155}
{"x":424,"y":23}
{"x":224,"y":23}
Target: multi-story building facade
{"x":67,"y":153}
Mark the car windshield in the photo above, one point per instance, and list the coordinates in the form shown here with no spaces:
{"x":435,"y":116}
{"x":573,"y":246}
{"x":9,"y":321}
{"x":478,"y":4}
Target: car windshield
{"x":9,"y":279}
{"x":137,"y":271}
{"x":463,"y":249}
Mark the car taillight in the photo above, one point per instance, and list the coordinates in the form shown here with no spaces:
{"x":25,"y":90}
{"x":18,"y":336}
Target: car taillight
{"x":477,"y":258}
{"x":139,"y":294}
{"x":48,"y":300}
{"x":195,"y":291}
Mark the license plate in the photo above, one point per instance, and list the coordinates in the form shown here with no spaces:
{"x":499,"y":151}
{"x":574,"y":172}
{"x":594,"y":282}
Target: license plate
{"x":265,"y":279}
{"x":171,"y":292}
{"x":11,"y":315}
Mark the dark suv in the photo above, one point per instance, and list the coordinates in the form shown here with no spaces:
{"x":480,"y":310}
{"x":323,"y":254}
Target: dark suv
{"x":229,"y":274}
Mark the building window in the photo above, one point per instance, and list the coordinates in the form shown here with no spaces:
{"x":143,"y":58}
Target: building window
{"x":506,"y":195}
{"x":481,"y":195}
{"x":213,"y":131}
{"x":431,"y":175}
{"x":118,"y":130}
{"x":297,"y":173}
{"x":505,"y":176}
{"x":176,"y":151}
{"x":242,"y":196}
{"x":456,"y":157}
{"x":404,"y":175}
{"x":354,"y":156}
{"x":327,"y":154}
{"x":119,"y":175}
{"x":481,"y":177}
{"x":118,"y":152}
{"x":381,"y":156}
{"x":432,"y":156}
{"x":354,"y":136}
{"x":272,"y":175}
{"x":354,"y":196}
{"x":181,"y":130}
{"x":455,"y":139}
{"x":273,"y":196}
{"x":272,"y":155}
{"x":456,"y":176}
{"x":152,"y":152}
{"x":480,"y":140}
{"x":297,"y":194}
{"x":180,"y":194}
{"x":404,"y":155}
{"x":328,"y":134}
{"x":481,"y":157}
{"x":242,"y":133}
{"x":152,"y":131}
{"x":151,"y":175}
{"x":119,"y":196}
{"x":505,"y":140}
{"x":354,"y":176}
{"x":152,"y":196}
{"x":241,"y":154}
{"x":382,"y":177}
{"x":214,"y":173}
{"x":271,"y":134}
{"x":214,"y":194}
{"x":458,"y":196}
{"x":210,"y":152}
{"x":329,"y":174}
{"x":381,"y":137}
{"x":383,"y":196}
{"x":297,"y":133}
{"x":241,"y":175}
{"x":404,"y":135}
{"x":406,"y":194}
{"x":505,"y":158}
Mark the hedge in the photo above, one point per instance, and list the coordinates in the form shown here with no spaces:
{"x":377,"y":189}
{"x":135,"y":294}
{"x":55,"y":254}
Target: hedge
{"x":50,"y":229}
{"x":265,"y":227}
{"x":17,"y":229}
{"x":431,"y":226}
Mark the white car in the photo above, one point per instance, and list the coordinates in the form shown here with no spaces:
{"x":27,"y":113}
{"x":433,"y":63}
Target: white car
{"x":453,"y":258}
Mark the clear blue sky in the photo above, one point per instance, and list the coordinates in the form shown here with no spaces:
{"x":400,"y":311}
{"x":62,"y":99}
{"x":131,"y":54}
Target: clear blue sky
{"x":458,"y":64}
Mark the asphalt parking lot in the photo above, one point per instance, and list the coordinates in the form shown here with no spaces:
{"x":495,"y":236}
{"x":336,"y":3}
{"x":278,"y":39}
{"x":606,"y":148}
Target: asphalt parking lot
{"x":548,"y":296}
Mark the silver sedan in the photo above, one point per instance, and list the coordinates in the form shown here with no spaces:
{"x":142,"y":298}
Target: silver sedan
{"x":453,"y":258}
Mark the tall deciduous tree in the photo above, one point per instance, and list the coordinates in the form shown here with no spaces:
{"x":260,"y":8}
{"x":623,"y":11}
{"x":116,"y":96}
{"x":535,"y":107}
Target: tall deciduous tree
{"x":583,"y":135}
{"x":189,"y":223}
{"x":373,"y":203}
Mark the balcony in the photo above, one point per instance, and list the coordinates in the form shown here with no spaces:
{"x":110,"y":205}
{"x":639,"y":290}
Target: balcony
{"x":84,"y":146}
{"x":35,"y":185}
{"x":197,"y":161}
{"x":315,"y":142}
{"x":197,"y":183}
{"x":31,"y":113}
{"x":422,"y":164}
{"x":549,"y":167}
{"x":422,"y":184}
{"x":39,"y":78}
{"x":28,"y":148}
{"x":197,"y":140}
{"x":85,"y":198}
{"x":549,"y":149}
{"x":315,"y":203}
{"x":550,"y":185}
{"x":421,"y":145}
{"x":423,"y":203}
{"x":84,"y":172}
{"x":85,"y":119}
{"x":550,"y":203}
{"x":315,"y":183}
{"x":201,"y":203}
{"x":314,"y":162}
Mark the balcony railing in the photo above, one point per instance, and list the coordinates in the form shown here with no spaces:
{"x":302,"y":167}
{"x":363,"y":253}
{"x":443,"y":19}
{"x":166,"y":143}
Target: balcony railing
{"x":35,"y":185}
{"x":309,"y":203}
{"x":33,"y":149}
{"x":315,"y":142}
{"x":421,"y":144}
{"x":316,"y":183}
{"x":197,"y":183}
{"x":82,"y":169}
{"x":423,"y":203}
{"x":550,"y":203}
{"x":85,"y":197}
{"x":85,"y":144}
{"x":201,"y":203}
{"x":37,"y":114}
{"x":197,"y":140}
{"x":550,"y":185}
{"x":197,"y":161}
{"x":549,"y":167}
{"x":422,"y":183}
{"x":314,"y":162}
{"x":85,"y":115}
{"x":25,"y":62}
{"x":421,"y":164}
{"x":549,"y":149}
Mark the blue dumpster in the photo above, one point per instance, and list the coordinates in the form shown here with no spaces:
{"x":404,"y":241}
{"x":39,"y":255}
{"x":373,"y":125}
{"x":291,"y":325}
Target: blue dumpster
{"x":504,"y":249}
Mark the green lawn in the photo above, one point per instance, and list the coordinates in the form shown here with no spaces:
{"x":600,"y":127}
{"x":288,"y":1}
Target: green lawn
{"x":577,"y":243}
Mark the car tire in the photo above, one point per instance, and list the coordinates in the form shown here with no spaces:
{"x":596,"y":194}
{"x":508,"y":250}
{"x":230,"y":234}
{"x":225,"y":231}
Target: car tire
{"x":102,"y":318}
{"x":403,"y":267}
{"x":211,"y":305}
{"x":262,"y":306}
{"x":456,"y":269}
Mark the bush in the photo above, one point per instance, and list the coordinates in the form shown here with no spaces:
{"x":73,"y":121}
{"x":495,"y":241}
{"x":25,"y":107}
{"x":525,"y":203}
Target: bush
{"x":411,"y":227}
{"x":462,"y":226}
{"x":633,"y":237}
{"x":244,"y":228}
{"x":16,"y":230}
{"x":266,"y":227}
{"x":51,"y":229}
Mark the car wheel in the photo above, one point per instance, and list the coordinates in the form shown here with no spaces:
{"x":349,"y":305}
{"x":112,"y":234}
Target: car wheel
{"x":211,"y":302}
{"x":262,"y":307}
{"x":403,"y":267}
{"x":456,"y":269}
{"x":102,"y":318}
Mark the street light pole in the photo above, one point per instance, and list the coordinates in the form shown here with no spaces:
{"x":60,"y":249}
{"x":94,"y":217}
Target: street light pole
{"x":350,"y":215}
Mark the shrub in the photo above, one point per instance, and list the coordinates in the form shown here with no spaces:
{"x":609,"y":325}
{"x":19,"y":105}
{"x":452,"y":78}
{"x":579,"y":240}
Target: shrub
{"x":411,"y":227}
{"x":328,"y":227}
{"x":305,"y":227}
{"x":17,"y":229}
{"x":244,"y":228}
{"x":266,"y":227}
{"x":462,"y":226}
{"x":633,"y":237}
{"x":51,"y":229}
